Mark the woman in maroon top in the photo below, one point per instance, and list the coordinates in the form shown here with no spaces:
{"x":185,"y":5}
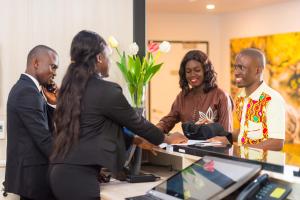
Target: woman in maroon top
{"x":200,"y":99}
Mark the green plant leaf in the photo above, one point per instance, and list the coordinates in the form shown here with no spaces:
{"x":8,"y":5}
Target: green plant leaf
{"x":130,"y":78}
{"x":137,"y":71}
{"x":150,"y":60}
{"x":123,"y":66}
{"x":138,"y":66}
{"x":151,"y":72}
{"x":131,"y":64}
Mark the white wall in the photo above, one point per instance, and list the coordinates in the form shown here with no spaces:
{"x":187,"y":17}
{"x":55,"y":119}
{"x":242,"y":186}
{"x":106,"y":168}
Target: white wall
{"x":219,"y":29}
{"x":278,"y":18}
{"x":186,"y":27}
{"x":27,"y":23}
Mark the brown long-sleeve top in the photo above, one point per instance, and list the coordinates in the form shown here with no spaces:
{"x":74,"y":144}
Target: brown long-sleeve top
{"x":197,"y":106}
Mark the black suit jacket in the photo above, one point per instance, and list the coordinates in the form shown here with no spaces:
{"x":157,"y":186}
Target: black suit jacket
{"x":104,"y":112}
{"x":29,"y":141}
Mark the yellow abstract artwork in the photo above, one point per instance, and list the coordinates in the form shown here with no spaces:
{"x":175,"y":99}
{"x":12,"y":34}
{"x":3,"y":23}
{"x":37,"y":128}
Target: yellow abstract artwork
{"x":282,"y":72}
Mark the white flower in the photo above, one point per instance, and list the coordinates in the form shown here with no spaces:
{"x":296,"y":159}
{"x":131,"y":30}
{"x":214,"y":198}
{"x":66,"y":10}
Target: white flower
{"x":165,"y":46}
{"x":113,"y":42}
{"x":133,"y":49}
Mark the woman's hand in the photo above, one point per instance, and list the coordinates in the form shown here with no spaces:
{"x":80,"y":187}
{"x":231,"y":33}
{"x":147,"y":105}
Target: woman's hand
{"x":144,"y":144}
{"x":175,"y":138}
{"x":205,"y":121}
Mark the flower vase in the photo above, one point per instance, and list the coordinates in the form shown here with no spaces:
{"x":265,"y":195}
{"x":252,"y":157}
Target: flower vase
{"x":138,"y":99}
{"x":139,"y":107}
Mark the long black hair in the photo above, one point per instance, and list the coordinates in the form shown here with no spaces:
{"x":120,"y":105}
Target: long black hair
{"x":209,"y":81}
{"x":84,"y":48}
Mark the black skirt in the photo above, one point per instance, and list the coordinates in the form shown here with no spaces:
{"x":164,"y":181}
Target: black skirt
{"x":76,"y":182}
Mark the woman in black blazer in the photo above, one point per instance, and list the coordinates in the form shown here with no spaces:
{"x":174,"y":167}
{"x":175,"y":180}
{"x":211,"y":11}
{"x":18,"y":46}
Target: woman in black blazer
{"x":89,"y":117}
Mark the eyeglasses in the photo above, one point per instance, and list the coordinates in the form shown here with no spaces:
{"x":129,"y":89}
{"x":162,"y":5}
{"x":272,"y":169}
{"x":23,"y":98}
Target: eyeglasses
{"x":239,"y":67}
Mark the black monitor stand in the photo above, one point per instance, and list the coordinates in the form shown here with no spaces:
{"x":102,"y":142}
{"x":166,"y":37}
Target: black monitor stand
{"x":134,"y":174}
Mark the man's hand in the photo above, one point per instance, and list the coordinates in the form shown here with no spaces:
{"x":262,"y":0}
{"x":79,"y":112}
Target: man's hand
{"x":205,"y":121}
{"x":51,"y":97}
{"x":222,"y":139}
{"x":269,"y":144}
{"x":144,"y":144}
{"x":176,"y":138}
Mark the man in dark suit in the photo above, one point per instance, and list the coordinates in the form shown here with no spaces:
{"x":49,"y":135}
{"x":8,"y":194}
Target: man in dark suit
{"x":29,"y":137}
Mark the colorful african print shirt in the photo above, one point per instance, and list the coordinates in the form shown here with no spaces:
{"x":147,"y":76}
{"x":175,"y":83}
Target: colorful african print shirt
{"x":261,"y":115}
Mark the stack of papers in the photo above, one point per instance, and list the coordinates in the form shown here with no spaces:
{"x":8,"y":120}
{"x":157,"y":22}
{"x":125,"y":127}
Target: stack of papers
{"x":201,"y":143}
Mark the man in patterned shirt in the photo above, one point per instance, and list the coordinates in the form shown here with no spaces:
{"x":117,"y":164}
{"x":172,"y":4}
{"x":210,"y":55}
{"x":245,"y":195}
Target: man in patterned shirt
{"x":259,"y":109}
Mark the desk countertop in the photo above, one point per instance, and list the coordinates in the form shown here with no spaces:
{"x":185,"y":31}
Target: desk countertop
{"x":115,"y":190}
{"x":119,"y":190}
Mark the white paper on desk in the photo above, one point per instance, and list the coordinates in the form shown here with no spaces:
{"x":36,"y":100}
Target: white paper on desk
{"x":168,"y":147}
{"x":163,"y":145}
{"x":211,"y":144}
{"x":191,"y":142}
{"x":200,"y":142}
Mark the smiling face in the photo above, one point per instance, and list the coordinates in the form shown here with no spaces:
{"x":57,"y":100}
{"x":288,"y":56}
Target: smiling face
{"x":246,"y":71}
{"x":194,"y":73}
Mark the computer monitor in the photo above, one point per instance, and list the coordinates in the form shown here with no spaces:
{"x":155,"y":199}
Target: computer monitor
{"x":207,"y":178}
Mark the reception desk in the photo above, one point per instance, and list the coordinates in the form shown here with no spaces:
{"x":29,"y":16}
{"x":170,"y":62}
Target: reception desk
{"x":270,"y":160}
{"x":278,"y":165}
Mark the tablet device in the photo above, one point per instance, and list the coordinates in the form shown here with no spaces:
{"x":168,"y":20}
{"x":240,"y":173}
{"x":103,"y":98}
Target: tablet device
{"x":207,"y":178}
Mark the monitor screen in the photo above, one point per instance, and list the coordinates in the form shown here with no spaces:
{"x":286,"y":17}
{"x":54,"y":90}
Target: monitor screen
{"x":205,"y":179}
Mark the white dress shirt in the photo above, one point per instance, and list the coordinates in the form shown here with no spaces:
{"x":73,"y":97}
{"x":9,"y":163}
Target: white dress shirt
{"x":39,"y":88}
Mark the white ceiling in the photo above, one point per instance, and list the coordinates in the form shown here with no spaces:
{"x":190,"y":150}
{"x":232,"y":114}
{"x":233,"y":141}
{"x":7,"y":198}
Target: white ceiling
{"x":199,"y":6}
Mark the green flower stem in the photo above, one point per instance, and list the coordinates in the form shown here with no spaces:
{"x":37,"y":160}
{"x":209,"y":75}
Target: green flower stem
{"x":137,"y":96}
{"x":156,"y":56}
{"x":137,"y":72}
{"x":118,"y":52}
{"x":138,"y":93}
{"x":143,"y":64}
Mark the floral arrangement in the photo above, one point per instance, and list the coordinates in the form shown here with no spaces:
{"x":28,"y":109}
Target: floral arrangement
{"x":139,"y":71}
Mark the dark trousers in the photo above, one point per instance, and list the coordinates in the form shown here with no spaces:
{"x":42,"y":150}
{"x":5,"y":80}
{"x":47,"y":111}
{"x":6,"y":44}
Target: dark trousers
{"x":25,"y":198}
{"x":75,"y":182}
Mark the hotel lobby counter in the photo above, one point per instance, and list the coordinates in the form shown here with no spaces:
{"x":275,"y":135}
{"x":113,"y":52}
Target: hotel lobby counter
{"x":270,"y":160}
{"x":116,"y":190}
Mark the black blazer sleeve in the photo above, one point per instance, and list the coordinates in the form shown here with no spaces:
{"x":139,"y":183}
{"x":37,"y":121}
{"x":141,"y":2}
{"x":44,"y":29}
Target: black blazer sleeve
{"x":50,"y":114}
{"x":31,"y":109}
{"x":119,"y":110}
